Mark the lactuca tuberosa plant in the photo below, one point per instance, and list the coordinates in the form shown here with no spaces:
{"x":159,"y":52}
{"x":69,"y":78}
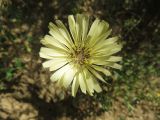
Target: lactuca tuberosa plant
{"x":81,"y":55}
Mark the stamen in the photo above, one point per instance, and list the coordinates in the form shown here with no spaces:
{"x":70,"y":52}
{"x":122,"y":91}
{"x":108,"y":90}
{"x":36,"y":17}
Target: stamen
{"x":80,"y":56}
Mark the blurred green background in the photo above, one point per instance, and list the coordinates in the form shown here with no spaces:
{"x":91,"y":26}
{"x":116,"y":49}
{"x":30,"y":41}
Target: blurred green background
{"x":134,"y":93}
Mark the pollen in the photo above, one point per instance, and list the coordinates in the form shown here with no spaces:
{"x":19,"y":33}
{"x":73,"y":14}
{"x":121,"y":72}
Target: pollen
{"x":80,"y":56}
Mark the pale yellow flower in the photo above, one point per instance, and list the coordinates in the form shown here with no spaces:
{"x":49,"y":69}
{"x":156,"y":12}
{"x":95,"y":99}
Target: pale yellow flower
{"x":82,"y":55}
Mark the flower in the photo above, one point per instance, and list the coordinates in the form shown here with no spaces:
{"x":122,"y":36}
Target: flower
{"x":81,"y":56}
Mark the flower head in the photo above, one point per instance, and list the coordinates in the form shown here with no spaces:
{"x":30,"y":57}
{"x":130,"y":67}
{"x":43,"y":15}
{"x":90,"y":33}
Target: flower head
{"x":82,"y":55}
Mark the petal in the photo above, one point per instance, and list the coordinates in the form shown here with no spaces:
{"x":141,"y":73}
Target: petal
{"x":85,"y":27}
{"x":51,"y":42}
{"x":88,"y":81}
{"x":68,"y":43}
{"x":116,"y":49}
{"x":81,"y":79}
{"x":79,"y":27}
{"x":101,"y":69}
{"x":60,"y":73}
{"x":90,"y":86}
{"x":100,"y":39}
{"x":98,"y":62}
{"x":68,"y":77}
{"x":52,"y":52}
{"x":65,"y":31}
{"x":98,"y":31}
{"x":105,"y":43}
{"x":72,"y":27}
{"x":105,"y":63}
{"x":75,"y":86}
{"x":82,"y":24}
{"x":97,"y":86}
{"x":43,"y":55}
{"x":111,"y":40}
{"x":107,"y":58}
{"x":92,"y":83}
{"x":96,"y":74}
{"x":57,"y":65}
{"x":114,"y":65}
{"x":93,"y":28}
{"x":107,"y":51}
{"x":58,"y":35}
{"x":51,"y":62}
{"x":114,"y":59}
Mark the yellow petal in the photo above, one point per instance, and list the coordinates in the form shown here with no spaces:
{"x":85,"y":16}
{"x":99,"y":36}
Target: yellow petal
{"x":43,"y":55}
{"x":105,"y":43}
{"x":114,"y":59}
{"x":52,"y":52}
{"x":108,"y":58}
{"x":67,"y":35}
{"x":82,"y":24}
{"x":57,"y":65}
{"x":81,"y":79}
{"x":59,"y":73}
{"x":72,"y":27}
{"x":79,"y":28}
{"x":50,"y":42}
{"x":93,"y":28}
{"x":107,"y":51}
{"x":96,"y":74}
{"x":51,"y":62}
{"x":105,"y":63}
{"x":85,"y":26}
{"x":98,"y":30}
{"x":114,"y":65}
{"x":115,"y":50}
{"x":75,"y":86}
{"x":101,"y":69}
{"x":89,"y":82}
{"x":58,"y":35}
{"x":68,"y":77}
{"x":100,"y":39}
{"x":96,"y":86}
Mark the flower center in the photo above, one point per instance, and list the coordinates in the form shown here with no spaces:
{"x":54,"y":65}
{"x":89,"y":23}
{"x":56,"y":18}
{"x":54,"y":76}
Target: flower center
{"x":80,"y":56}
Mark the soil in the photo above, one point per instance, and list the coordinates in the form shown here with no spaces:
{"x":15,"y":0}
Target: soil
{"x":34,"y":97}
